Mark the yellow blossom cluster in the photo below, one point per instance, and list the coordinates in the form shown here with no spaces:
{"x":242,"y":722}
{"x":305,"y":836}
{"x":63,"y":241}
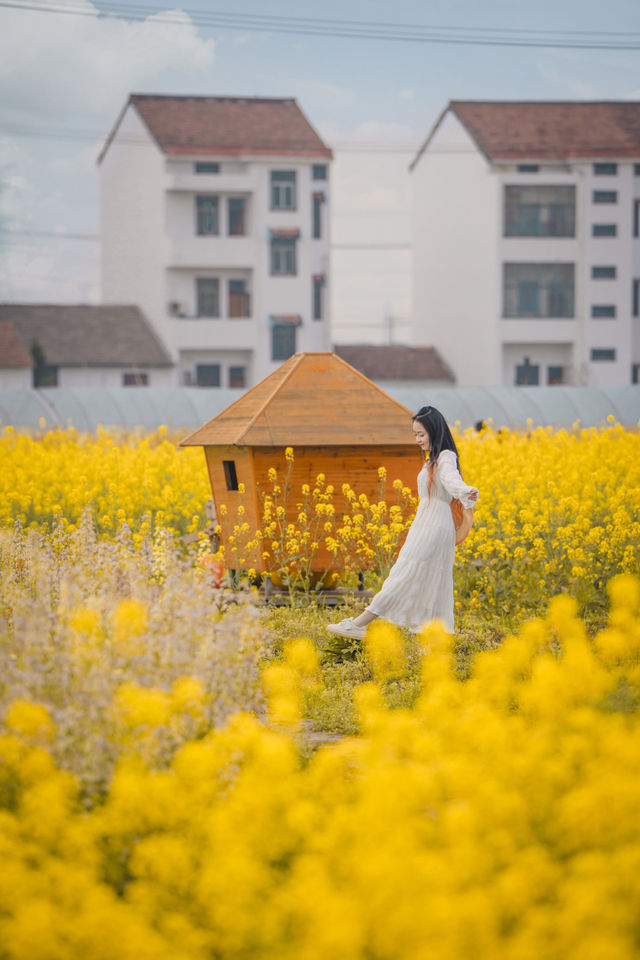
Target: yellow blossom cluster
{"x":559,"y":510}
{"x":120,"y":476}
{"x":497,"y":817}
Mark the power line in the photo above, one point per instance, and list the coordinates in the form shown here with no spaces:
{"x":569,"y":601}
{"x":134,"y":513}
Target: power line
{"x":352,"y":29}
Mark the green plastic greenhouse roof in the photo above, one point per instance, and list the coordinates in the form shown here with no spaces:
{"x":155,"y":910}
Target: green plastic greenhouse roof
{"x":189,"y":408}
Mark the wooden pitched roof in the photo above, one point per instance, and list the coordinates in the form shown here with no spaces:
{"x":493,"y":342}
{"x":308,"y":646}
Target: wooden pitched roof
{"x":312,"y":400}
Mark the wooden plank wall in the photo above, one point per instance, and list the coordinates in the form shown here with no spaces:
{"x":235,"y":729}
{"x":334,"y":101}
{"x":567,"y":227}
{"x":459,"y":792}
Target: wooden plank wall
{"x":355,"y":465}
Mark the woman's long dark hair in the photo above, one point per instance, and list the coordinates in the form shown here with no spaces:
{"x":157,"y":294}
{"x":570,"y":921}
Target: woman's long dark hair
{"x":440,"y":437}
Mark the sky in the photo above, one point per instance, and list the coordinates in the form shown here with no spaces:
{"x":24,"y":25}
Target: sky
{"x":373,"y":97}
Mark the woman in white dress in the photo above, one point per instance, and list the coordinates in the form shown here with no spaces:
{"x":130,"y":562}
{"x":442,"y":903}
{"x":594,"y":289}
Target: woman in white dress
{"x":420,"y":584}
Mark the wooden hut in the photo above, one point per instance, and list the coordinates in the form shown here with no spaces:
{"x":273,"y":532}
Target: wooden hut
{"x":336,"y":420}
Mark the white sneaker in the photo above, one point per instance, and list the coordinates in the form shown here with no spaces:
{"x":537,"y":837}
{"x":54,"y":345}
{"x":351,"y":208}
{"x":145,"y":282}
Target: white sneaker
{"x":347,"y":628}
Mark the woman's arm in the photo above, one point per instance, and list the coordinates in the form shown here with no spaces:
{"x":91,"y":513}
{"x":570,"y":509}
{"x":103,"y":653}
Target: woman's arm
{"x":452,"y":482}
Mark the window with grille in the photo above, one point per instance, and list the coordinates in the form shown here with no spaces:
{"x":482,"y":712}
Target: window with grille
{"x":208,"y":374}
{"x":603,"y":310}
{"x":239,"y":299}
{"x":207,"y":222}
{"x":538,"y":290}
{"x":283,"y":341}
{"x":603,"y":353}
{"x":208,"y":296}
{"x":318,"y":298}
{"x":539,"y":211}
{"x":237,"y":217}
{"x":135,"y":379}
{"x":604,"y":230}
{"x":603,"y":273}
{"x":319,"y":171}
{"x":605,"y":169}
{"x":555,"y":376}
{"x":283,"y":256}
{"x":237,"y":377}
{"x":527,"y":374}
{"x":283,"y":190}
{"x":605,"y":196}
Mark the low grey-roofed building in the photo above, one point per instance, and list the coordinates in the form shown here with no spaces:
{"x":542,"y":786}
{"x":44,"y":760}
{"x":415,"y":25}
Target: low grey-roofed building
{"x":85,"y":345}
{"x":396,"y":365}
{"x":16,"y":362}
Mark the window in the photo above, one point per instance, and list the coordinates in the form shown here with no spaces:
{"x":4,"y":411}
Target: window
{"x":635,"y":373}
{"x":207,"y":216}
{"x":135,"y":379}
{"x":239,"y":300}
{"x":318,"y":297}
{"x":237,"y":377}
{"x":604,"y":230}
{"x":603,"y":310}
{"x":636,"y":218}
{"x":206,"y":167}
{"x":283,"y":190}
{"x":283,"y":256}
{"x":539,"y":211}
{"x":555,"y":376}
{"x":605,"y":196}
{"x":602,"y":353}
{"x":635,"y":298}
{"x":605,"y":169}
{"x":237,"y":225}
{"x":45,"y":375}
{"x":318,"y":200}
{"x":283,"y":340}
{"x":230,"y":474}
{"x":319,"y":171}
{"x":528,"y":168}
{"x":208,"y":296}
{"x":603,"y":273}
{"x":208,"y":374}
{"x":538,"y":289}
{"x":527,"y":374}
{"x":636,"y":169}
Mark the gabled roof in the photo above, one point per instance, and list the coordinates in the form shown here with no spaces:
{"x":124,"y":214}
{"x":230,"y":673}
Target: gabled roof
{"x":87,"y":335}
{"x":226,"y":126}
{"x":12,"y":351}
{"x":395,"y":362}
{"x":548,"y":130}
{"x":312,"y":400}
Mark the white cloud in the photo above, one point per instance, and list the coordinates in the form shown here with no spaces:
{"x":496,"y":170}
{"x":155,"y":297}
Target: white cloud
{"x":53,"y":65}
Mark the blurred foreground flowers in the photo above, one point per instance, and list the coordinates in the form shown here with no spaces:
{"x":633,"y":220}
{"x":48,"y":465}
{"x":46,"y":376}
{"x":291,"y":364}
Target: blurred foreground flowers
{"x":495,"y":818}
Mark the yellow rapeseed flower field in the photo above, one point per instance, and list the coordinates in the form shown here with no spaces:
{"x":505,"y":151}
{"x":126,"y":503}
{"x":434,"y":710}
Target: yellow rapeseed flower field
{"x":495,"y":818}
{"x":158,"y":796}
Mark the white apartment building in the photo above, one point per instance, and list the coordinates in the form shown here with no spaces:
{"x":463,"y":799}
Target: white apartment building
{"x":215,"y":221}
{"x":526,"y":242}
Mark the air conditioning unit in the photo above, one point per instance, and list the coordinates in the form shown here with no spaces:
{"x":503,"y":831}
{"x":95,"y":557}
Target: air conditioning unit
{"x":177,"y":309}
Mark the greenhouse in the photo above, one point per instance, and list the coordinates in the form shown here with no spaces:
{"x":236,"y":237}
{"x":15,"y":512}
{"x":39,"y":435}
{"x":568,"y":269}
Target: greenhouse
{"x":188,"y":407}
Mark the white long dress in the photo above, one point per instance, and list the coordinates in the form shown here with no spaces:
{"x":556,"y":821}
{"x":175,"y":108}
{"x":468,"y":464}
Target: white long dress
{"x":420,"y":583}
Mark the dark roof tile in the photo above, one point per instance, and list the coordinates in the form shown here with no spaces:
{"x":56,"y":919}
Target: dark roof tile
{"x":86,"y":335}
{"x":395,"y":362}
{"x":228,"y":126}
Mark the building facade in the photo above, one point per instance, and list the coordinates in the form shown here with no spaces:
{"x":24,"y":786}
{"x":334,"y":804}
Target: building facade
{"x":527,"y":242}
{"x":215,"y":220}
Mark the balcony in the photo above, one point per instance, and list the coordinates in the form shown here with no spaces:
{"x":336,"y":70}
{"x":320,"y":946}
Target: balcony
{"x":207,"y":333}
{"x":210,"y":182}
{"x":212,"y":252}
